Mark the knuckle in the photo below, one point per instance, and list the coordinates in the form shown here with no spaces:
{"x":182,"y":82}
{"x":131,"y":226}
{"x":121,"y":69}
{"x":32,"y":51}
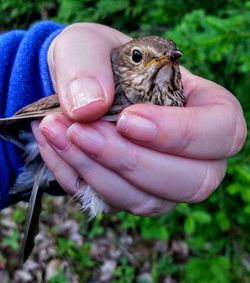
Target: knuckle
{"x":151,"y":207}
{"x":84,"y":165}
{"x":188,"y":134}
{"x":66,"y":37}
{"x":235,"y":124}
{"x":239,"y":133}
{"x":78,"y":160}
{"x":71,"y":33}
{"x":58,"y":170}
{"x":208,"y":182}
{"x":75,"y":27}
{"x":130,"y":162}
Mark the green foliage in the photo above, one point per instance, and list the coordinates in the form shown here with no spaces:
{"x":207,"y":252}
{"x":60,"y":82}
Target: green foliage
{"x":217,"y":48}
{"x":12,"y":241}
{"x":204,"y":270}
{"x":59,"y":278}
{"x":162,"y":266}
{"x":20,"y":14}
{"x":78,"y":256}
{"x":124,"y":272}
{"x":67,"y":248}
{"x":215,"y":39}
{"x":19,"y":215}
{"x":151,"y":228}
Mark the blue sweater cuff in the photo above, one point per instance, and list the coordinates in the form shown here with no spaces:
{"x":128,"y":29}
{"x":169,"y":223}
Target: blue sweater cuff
{"x":46,"y":83}
{"x":24,"y":78}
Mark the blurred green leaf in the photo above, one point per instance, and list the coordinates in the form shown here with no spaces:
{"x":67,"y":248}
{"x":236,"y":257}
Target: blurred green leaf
{"x":223,"y":220}
{"x":201,"y":216}
{"x":189,"y":225}
{"x":216,"y":270}
{"x":151,"y":228}
{"x":12,"y":241}
{"x":59,"y":278}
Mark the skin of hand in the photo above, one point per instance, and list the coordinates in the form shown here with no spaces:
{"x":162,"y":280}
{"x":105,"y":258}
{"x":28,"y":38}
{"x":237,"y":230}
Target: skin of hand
{"x":154,"y":157}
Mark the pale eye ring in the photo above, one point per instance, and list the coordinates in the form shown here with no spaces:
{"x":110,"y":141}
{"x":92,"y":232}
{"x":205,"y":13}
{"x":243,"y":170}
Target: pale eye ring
{"x":136,"y":56}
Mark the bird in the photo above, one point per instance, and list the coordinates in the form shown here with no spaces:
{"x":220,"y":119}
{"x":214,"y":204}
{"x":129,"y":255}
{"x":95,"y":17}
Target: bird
{"x":145,"y":70}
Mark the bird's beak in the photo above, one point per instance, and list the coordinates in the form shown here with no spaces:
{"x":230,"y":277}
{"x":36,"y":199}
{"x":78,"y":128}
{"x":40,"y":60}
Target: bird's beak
{"x":163,"y":60}
{"x":159,"y":61}
{"x":175,"y":55}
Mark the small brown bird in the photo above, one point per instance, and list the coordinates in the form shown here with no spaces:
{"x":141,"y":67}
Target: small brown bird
{"x":145,"y":70}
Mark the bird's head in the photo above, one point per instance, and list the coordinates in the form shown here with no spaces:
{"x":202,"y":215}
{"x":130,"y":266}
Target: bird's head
{"x":145,"y":55}
{"x":137,"y":64}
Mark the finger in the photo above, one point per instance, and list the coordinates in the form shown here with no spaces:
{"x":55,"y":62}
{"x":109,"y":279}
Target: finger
{"x":79,"y":61}
{"x":166,"y":176}
{"x":115,"y":190}
{"x":57,"y":165}
{"x":212,"y":125}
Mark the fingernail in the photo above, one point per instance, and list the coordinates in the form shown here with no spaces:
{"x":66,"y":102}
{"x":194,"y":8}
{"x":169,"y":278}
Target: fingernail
{"x":136,"y":127}
{"x":55,"y":132}
{"x":40,"y":139}
{"x":84,"y":91}
{"x":87,"y":138}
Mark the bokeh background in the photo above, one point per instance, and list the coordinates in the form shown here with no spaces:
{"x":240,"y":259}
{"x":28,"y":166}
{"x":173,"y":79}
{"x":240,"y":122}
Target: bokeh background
{"x":206,"y":242}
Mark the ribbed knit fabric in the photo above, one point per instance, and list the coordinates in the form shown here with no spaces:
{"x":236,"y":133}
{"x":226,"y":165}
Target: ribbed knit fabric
{"x":24,"y":78}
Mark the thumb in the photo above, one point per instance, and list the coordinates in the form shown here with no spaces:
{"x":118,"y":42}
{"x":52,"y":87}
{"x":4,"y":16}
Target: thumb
{"x":80,"y":67}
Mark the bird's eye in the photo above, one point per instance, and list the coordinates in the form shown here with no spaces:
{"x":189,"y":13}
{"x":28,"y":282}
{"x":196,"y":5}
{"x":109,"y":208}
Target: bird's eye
{"x":136,"y":56}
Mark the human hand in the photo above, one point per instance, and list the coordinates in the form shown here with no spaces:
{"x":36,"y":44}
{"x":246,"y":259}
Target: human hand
{"x":155,"y":156}
{"x":80,"y":68}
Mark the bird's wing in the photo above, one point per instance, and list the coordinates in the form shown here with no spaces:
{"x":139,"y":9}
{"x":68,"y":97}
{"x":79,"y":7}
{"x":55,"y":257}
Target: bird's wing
{"x":120,"y":102}
{"x":10,"y":127}
{"x":36,"y":109}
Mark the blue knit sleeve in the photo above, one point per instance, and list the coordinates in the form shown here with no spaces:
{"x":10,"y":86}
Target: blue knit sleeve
{"x":24,"y":78}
